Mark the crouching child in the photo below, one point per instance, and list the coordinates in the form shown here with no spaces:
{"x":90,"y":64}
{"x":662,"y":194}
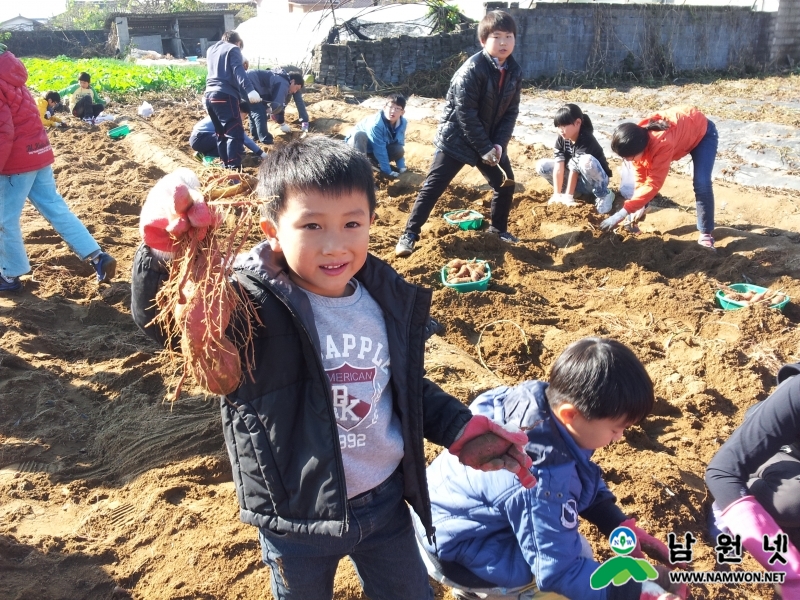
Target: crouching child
{"x":497,"y":540}
{"x":326,"y":439}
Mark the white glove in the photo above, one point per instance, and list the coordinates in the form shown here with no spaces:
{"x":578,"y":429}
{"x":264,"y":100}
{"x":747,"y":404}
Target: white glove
{"x":253,"y":97}
{"x":653,"y":591}
{"x":394,"y":174}
{"x":613,"y":220}
{"x":285,"y":128}
{"x":403,"y":169}
{"x":304,"y":126}
{"x":58,"y":124}
{"x":491,"y":157}
{"x":499,"y":149}
{"x":564,"y":199}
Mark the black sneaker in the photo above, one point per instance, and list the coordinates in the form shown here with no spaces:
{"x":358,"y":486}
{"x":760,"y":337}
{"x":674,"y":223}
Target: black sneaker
{"x":405,"y":246}
{"x":10,"y":284}
{"x":503,"y":235}
{"x":105,"y":266}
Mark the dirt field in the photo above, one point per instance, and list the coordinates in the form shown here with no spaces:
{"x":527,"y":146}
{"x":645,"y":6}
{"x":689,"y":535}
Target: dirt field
{"x":108,"y":491}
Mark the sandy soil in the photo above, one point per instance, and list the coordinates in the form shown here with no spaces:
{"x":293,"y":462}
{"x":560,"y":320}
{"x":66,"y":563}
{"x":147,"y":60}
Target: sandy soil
{"x":108,"y":491}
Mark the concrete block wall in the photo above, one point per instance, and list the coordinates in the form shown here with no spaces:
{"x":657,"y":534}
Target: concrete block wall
{"x":610,"y":38}
{"x":388,"y":61}
{"x":785,"y":46}
{"x":595,"y":38}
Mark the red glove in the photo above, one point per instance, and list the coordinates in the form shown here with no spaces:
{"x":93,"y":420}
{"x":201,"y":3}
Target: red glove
{"x":487,"y":446}
{"x":173,"y":206}
{"x":647,"y":544}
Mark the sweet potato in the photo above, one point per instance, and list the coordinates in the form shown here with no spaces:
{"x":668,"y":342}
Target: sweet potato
{"x":465,"y":271}
{"x":483,"y":449}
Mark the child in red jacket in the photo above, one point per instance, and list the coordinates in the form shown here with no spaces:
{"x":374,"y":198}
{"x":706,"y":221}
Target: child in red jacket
{"x":25,"y":166}
{"x":652,"y":146}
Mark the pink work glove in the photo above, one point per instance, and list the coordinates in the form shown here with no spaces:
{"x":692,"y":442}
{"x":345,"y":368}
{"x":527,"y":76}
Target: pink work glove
{"x":647,"y":544}
{"x":748,"y":519}
{"x":173,"y":206}
{"x":499,"y":149}
{"x":487,"y":446}
{"x":655,"y":549}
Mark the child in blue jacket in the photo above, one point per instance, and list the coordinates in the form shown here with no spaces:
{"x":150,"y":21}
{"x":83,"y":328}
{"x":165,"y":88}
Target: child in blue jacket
{"x":382,"y":136}
{"x":514,"y":543}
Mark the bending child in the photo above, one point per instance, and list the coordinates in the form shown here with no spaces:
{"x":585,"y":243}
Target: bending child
{"x":578,"y":152}
{"x":203,"y":138}
{"x":326,"y":443}
{"x":382,"y":136}
{"x":755,"y":480}
{"x":26,"y":160}
{"x":47,"y":106}
{"x":652,"y":146}
{"x":496,"y":540}
{"x":475,"y":128}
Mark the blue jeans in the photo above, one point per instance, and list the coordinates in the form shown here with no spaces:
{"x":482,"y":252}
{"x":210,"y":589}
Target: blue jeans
{"x":592,"y":179}
{"x":40,"y":188}
{"x":224,"y":112}
{"x":258,"y":123}
{"x":703,"y":157}
{"x":380,"y":541}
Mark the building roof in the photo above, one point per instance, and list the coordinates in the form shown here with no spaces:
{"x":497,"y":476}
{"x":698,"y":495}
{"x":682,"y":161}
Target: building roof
{"x":154,"y":20}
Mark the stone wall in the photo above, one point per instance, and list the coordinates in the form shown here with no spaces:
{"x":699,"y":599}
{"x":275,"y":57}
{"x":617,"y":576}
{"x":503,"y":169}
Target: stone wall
{"x":612,"y":38}
{"x":595,"y":38}
{"x":49,"y":43}
{"x":786,"y":34}
{"x":388,"y":61}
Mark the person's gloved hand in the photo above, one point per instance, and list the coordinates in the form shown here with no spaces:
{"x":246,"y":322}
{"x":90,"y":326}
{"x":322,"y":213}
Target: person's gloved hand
{"x":491,"y":157}
{"x":394,"y":174}
{"x":652,"y":591}
{"x":304,"y":126}
{"x":647,"y":544}
{"x":285,"y":128}
{"x":58,"y":124}
{"x":173,"y":206}
{"x":253,"y":97}
{"x":499,"y":150}
{"x":402,"y":169}
{"x":612,"y":221}
{"x":488,"y":446}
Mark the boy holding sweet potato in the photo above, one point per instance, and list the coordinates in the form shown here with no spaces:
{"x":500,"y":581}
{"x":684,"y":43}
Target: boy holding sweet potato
{"x":326,"y":440}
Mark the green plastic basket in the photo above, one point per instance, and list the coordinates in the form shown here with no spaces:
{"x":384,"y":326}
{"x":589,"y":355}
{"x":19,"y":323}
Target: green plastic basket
{"x":119,"y":132}
{"x":474,"y":223}
{"x":471,"y":286}
{"x":744,"y":287}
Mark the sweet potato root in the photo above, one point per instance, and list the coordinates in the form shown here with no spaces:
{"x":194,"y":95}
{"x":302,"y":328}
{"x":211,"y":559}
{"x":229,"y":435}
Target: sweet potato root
{"x":465,"y":271}
{"x":484,"y":449}
{"x":198,"y":301}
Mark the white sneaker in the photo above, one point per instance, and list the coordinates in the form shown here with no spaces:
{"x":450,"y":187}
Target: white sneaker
{"x":605,"y":203}
{"x":285,"y":128}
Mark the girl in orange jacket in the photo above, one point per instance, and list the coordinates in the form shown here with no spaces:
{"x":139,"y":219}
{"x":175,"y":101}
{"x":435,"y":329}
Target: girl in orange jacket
{"x":655,"y":143}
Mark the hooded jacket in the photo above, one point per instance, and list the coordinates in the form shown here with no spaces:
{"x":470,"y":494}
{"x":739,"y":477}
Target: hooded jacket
{"x":477,"y":113}
{"x":380,"y":134}
{"x":508,"y":535}
{"x":687,"y":127}
{"x":280,"y":430}
{"x":24,"y":146}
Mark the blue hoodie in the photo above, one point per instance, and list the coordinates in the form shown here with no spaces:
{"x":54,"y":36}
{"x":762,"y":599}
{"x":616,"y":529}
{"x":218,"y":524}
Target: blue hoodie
{"x":507,"y":535}
{"x":380,"y":134}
